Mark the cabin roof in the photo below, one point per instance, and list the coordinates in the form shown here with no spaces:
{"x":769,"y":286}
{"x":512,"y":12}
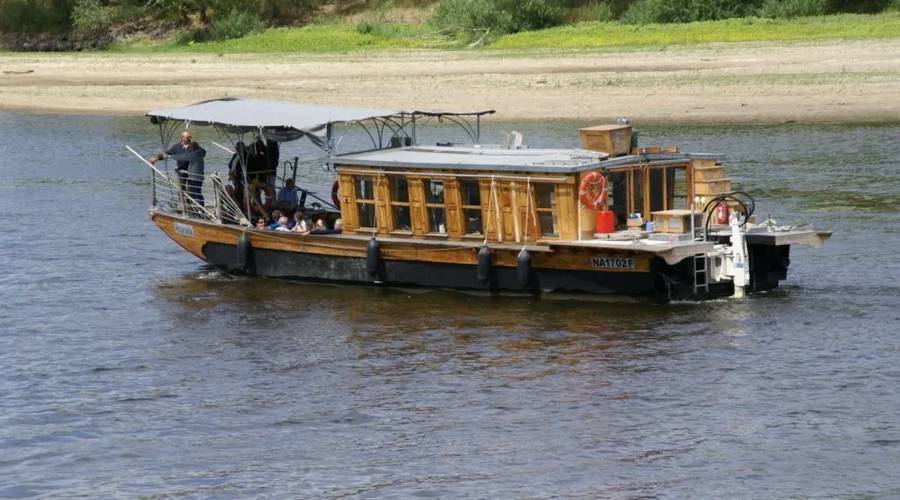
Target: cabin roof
{"x":555,"y":161}
{"x":549,"y":161}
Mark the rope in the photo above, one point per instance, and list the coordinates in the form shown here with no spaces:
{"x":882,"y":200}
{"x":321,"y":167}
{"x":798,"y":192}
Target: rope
{"x":490,"y":204}
{"x":527,"y":210}
{"x":375,"y":205}
{"x":498,"y":220}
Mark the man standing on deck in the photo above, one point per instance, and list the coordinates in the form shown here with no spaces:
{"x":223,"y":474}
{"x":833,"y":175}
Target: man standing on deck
{"x":181,"y":166}
{"x":189,"y":165}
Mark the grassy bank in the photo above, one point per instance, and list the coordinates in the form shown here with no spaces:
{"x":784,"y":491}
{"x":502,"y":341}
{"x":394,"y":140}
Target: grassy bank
{"x":316,"y":38}
{"x":342,"y":37}
{"x":600,"y":35}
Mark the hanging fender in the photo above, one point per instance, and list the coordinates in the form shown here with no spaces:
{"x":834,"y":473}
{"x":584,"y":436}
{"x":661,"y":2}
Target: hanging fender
{"x":242,"y":253}
{"x":523,"y":268}
{"x":593,"y":191}
{"x":373,"y":257}
{"x":483,"y":271}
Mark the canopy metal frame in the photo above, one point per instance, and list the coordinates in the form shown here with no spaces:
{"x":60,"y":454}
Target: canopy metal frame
{"x":381,"y":131}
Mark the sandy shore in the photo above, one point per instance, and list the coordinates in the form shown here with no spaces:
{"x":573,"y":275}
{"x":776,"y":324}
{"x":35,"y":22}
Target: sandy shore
{"x":812,"y":82}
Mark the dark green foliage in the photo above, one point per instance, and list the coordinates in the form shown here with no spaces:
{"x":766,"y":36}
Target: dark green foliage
{"x":234,"y":24}
{"x":96,"y":15}
{"x":858,"y":6}
{"x":498,"y":16}
{"x":274,"y":12}
{"x":34,"y":16}
{"x":685,"y":11}
{"x":788,"y":9}
{"x":679,"y":11}
{"x":532,"y":14}
{"x":471,"y":16}
{"x":220,"y":19}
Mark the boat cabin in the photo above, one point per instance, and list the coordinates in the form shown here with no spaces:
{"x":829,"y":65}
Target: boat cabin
{"x":503,"y":195}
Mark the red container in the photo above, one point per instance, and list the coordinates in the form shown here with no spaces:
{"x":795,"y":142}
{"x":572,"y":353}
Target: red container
{"x":606,"y":221}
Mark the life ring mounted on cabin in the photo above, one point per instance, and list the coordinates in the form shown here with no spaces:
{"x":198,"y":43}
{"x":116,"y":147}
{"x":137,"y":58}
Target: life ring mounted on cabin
{"x":593,"y":191}
{"x":334,"y":195}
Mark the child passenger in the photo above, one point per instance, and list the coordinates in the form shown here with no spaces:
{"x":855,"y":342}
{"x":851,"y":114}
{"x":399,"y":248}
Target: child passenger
{"x":301,"y":227}
{"x":282,"y":224}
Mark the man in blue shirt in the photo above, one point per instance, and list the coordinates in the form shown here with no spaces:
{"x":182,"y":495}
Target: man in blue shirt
{"x":287,"y":199}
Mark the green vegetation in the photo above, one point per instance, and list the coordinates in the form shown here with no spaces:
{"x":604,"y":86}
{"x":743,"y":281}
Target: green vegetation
{"x":483,"y":18}
{"x":347,"y":25}
{"x":599,"y":35}
{"x":31,"y":16}
{"x":312,"y":38}
{"x":588,"y":35}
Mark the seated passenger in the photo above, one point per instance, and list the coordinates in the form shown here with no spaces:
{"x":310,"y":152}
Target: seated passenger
{"x":281,"y":224}
{"x":321,"y":228}
{"x":298,"y":217}
{"x":301,"y":227}
{"x":261,"y":223}
{"x":276,"y":216}
{"x":288,"y":199}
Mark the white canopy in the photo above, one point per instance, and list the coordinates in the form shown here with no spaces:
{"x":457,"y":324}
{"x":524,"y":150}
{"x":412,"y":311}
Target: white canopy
{"x":287,"y":121}
{"x":275,"y":118}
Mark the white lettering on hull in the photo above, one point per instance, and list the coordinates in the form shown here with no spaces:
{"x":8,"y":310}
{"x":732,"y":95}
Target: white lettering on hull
{"x":184,"y":229}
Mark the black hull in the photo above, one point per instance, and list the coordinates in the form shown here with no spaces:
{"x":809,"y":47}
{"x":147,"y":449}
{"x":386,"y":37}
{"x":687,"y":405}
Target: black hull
{"x":663,"y":282}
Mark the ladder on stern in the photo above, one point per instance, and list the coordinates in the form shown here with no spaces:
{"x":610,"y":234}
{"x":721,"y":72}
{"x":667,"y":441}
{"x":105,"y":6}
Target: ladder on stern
{"x":701,"y":274}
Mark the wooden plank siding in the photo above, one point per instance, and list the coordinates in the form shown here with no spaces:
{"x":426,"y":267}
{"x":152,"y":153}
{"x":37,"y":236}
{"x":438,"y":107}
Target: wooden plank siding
{"x":508,"y":209}
{"x":392,"y":248}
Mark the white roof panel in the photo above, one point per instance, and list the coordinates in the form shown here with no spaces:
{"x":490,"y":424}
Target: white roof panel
{"x":477,"y":158}
{"x":255,"y":114}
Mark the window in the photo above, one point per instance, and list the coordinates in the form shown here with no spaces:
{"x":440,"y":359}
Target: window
{"x":400,"y":204}
{"x":545,"y":206}
{"x":678,"y":189}
{"x":636,"y":191}
{"x":470,"y":194}
{"x":434,"y":206}
{"x":365,"y":200}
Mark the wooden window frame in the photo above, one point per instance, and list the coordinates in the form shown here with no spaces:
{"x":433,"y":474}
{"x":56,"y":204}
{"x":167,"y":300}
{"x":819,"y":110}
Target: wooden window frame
{"x":430,"y":206}
{"x":553,"y":210}
{"x":393,"y":203}
{"x":366,"y":201}
{"x":476,"y":183}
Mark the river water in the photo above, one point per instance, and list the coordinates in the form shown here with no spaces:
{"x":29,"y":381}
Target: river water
{"x":127,"y":368}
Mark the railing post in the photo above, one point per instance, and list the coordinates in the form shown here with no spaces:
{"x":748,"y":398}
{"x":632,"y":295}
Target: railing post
{"x":218,"y":198}
{"x":152,"y":188}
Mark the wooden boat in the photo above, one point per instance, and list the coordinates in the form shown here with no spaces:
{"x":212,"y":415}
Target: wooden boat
{"x":607,"y":218}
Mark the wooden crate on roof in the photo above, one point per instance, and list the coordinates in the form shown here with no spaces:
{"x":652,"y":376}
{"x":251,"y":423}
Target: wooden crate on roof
{"x":614,"y":140}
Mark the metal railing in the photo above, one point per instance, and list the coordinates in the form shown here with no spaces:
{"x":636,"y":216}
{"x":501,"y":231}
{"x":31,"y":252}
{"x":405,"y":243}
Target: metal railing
{"x":192,"y":195}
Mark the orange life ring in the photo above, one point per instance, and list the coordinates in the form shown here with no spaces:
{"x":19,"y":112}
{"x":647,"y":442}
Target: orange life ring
{"x":334,"y":195}
{"x":592,"y":191}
